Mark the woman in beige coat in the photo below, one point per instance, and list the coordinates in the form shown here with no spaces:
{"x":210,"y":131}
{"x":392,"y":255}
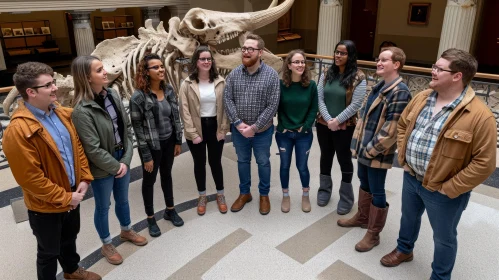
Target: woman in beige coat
{"x":205,"y":122}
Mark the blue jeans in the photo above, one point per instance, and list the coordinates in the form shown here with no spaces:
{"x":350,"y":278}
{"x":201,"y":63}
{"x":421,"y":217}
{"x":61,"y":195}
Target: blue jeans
{"x":260,"y":144}
{"x":302,"y":143}
{"x":372,"y":180}
{"x":102,"y":189}
{"x":444,"y":214}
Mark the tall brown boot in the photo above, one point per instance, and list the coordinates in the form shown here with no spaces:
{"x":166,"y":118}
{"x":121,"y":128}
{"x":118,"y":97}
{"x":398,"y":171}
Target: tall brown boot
{"x":360,"y":218}
{"x":377,"y":219}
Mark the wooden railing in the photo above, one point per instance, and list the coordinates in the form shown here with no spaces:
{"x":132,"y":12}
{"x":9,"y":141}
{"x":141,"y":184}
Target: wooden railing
{"x":422,"y":70}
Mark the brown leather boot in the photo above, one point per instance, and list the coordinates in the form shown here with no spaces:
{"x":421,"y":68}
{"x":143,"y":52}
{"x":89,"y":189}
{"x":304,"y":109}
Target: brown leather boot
{"x":111,"y":255}
{"x":132,"y":236}
{"x":360,"y":218}
{"x":240,"y":202}
{"x":395,"y":258}
{"x":82,"y":274}
{"x":222,"y":206}
{"x":377,"y":219}
{"x":264,"y":204}
{"x":202,"y":205}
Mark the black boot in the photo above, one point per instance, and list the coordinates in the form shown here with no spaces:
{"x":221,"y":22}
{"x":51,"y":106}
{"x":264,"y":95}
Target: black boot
{"x":154,"y":230}
{"x":171,"y":215}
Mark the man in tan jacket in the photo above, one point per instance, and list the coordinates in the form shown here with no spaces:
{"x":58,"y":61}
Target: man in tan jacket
{"x":48,"y":162}
{"x":447,"y":146}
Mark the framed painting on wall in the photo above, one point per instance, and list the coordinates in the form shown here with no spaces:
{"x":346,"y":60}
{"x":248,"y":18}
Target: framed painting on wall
{"x":28,"y":31}
{"x":7,"y":32}
{"x":18,"y":32}
{"x":419,"y":13}
{"x":45,"y":30}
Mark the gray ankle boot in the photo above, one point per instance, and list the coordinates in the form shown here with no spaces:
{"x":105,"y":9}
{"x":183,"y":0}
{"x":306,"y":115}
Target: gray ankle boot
{"x":345,"y":203}
{"x":325,"y":190}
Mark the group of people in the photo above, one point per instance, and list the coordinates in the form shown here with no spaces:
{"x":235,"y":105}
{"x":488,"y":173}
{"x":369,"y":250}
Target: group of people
{"x":445,"y":137}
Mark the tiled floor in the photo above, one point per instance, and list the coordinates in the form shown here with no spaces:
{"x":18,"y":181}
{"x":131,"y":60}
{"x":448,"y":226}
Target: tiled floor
{"x":247,"y":245}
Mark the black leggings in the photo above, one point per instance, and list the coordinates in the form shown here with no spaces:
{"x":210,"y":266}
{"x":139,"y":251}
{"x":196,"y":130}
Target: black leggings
{"x":331,"y":142}
{"x":163,"y":160}
{"x":215,"y":148}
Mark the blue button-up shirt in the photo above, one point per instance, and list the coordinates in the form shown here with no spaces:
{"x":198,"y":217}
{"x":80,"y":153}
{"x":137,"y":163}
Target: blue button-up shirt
{"x":60,"y":135}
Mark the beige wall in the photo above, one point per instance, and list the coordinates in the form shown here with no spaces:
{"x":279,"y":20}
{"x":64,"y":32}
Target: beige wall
{"x":420,"y":43}
{"x":304,"y":21}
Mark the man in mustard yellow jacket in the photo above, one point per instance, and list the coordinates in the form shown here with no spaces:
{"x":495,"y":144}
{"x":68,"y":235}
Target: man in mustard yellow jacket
{"x":48,"y":162}
{"x":447,"y":146}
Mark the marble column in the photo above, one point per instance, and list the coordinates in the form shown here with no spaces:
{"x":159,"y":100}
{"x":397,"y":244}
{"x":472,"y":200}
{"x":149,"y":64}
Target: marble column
{"x":151,"y":13}
{"x":84,"y":38}
{"x":3,"y":66}
{"x":457,"y":29}
{"x":329,"y":34}
{"x":179,"y":10}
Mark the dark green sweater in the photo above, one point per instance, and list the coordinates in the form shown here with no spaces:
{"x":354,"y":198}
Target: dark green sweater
{"x":298,"y":106}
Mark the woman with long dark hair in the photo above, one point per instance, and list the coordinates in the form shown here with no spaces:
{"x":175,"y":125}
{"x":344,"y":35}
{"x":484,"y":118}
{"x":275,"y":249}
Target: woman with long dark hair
{"x":296,"y":115}
{"x":105,"y":134}
{"x":156,"y":122}
{"x":205,"y":122}
{"x":341,"y":91}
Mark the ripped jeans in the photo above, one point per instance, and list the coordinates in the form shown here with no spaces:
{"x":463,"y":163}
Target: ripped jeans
{"x":301,"y":141}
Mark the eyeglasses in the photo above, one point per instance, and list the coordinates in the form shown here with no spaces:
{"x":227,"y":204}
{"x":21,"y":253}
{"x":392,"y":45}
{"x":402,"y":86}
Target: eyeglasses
{"x":439,"y":70}
{"x":205,"y":59}
{"x":249,"y":50}
{"x":340,"y":53}
{"x":383,"y":60}
{"x":298,"y":62}
{"x":156,"y":67}
{"x":47,"y":85}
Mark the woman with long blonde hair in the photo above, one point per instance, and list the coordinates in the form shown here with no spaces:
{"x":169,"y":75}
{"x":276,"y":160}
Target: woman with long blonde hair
{"x":105,"y":133}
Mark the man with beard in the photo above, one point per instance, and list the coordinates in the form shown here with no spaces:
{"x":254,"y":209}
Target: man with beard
{"x":447,"y":146}
{"x":48,"y":162}
{"x":251,"y":99}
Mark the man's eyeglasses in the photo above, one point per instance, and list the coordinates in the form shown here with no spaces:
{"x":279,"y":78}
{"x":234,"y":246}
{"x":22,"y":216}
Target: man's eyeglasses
{"x":156,"y":67}
{"x":383,"y":60}
{"x":249,"y":50}
{"x":340,"y":53}
{"x":298,"y":62}
{"x":205,"y":59}
{"x":47,"y":85}
{"x":439,"y":70}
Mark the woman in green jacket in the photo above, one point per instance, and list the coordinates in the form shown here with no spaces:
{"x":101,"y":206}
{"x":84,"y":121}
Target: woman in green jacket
{"x":105,"y":133}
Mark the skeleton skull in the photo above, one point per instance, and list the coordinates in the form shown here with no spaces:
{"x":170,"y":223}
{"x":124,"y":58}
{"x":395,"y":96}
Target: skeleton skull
{"x":214,"y":27}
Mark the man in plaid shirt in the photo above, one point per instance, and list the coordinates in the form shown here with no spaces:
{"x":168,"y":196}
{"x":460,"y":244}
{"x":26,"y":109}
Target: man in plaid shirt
{"x":447,"y":146}
{"x":251,"y":99}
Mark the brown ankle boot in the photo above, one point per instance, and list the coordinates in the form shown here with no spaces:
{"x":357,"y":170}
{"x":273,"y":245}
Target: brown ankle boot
{"x":377,"y":219}
{"x":82,"y":274}
{"x":360,"y":218}
{"x":111,"y":255}
{"x":202,"y":200}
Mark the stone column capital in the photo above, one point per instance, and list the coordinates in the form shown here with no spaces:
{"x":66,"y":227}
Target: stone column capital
{"x":81,"y":18}
{"x":331,"y":2}
{"x":153,"y":10}
{"x":462,"y":3}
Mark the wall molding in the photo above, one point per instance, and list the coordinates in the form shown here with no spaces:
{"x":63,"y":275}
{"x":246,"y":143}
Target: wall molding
{"x":54,"y":5}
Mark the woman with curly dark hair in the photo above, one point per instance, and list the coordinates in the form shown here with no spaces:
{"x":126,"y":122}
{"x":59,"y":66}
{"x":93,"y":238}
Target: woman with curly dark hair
{"x":206,"y":124}
{"x":158,"y":131}
{"x":296,"y":114}
{"x":341,"y":92}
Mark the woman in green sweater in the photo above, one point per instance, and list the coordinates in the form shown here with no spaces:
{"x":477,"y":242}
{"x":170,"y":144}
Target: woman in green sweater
{"x":296,"y":114}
